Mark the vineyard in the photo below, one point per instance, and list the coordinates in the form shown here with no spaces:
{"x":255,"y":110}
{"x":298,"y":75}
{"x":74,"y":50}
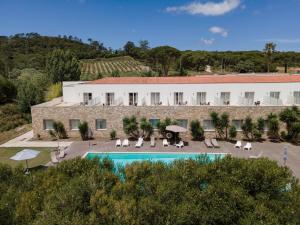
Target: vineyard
{"x":107,"y":66}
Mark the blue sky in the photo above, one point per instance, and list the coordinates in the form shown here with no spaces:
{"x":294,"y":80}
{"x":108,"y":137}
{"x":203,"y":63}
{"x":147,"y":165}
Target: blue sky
{"x":185,"y":24}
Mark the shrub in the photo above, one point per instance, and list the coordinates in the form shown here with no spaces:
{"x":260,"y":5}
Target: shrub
{"x":273,"y":126}
{"x":113,"y":134}
{"x":221,"y":124}
{"x":232,"y":132}
{"x":54,"y":91}
{"x":84,"y":130}
{"x":115,"y":73}
{"x":130,"y":126}
{"x":59,"y":131}
{"x":146,"y":127}
{"x":196,"y":129}
{"x":248,"y":127}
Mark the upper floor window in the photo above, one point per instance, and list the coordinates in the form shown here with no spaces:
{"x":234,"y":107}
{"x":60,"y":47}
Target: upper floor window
{"x":225,"y":98}
{"x":48,"y":124}
{"x":155,"y":98}
{"x":201,"y":98}
{"x":100,"y":124}
{"x":74,"y":124}
{"x":133,"y":98}
{"x":154,"y":123}
{"x":178,"y":98}
{"x":208,"y":125}
{"x":275,"y":94}
{"x":87,"y":97}
{"x":297,"y":97}
{"x":182,"y":123}
{"x":249,"y":97}
{"x":110,"y":98}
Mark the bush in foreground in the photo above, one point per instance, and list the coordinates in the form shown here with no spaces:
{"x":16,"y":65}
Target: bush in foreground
{"x":228,"y":191}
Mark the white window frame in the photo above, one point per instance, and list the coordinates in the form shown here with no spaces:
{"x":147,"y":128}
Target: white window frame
{"x":296,"y":95}
{"x":87,"y":96}
{"x":100,"y":120}
{"x":110,"y":98}
{"x":234,"y":123}
{"x":185,"y":121}
{"x":208,"y":129}
{"x":225,"y":97}
{"x":70,"y":124}
{"x":178,"y":98}
{"x":201,"y":98}
{"x":45,"y":123}
{"x":134,"y":100}
{"x":155,"y":98}
{"x":251,"y":94}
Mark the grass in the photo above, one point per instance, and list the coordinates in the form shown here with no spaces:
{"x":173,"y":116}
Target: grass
{"x":41,"y":159}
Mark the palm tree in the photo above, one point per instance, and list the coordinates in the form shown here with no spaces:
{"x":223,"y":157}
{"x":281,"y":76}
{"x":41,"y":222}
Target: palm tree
{"x":269,"y":51}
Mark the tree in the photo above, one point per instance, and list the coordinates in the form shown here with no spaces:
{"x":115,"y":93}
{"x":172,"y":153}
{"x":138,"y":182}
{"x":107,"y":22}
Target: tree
{"x":8,"y":90}
{"x":146,"y":127}
{"x":269,"y":50}
{"x":59,"y":131}
{"x":248,"y":128}
{"x":84,"y":130}
{"x":221,"y":124}
{"x":130,"y":49}
{"x":196,"y":129}
{"x":113,"y":134}
{"x":164,"y":56}
{"x":62,"y":66}
{"x":144,"y":45}
{"x":273,"y":126}
{"x":161,"y":125}
{"x":54,"y":91}
{"x":130,"y":126}
{"x":31,"y":86}
{"x":232,"y":132}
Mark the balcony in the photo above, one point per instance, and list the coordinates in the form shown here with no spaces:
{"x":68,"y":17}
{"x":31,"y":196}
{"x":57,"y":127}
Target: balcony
{"x":246,"y":101}
{"x":272,"y":101}
{"x":221,"y":102}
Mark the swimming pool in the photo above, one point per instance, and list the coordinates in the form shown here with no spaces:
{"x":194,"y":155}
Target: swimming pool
{"x":124,"y":158}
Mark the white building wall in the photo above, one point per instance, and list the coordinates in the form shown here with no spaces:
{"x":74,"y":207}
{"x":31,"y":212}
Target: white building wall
{"x":73,"y":92}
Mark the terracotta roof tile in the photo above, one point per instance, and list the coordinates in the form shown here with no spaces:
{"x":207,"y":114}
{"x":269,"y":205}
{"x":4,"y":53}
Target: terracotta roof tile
{"x":207,"y":79}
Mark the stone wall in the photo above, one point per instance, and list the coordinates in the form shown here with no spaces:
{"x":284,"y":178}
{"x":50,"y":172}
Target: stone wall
{"x":115,"y":114}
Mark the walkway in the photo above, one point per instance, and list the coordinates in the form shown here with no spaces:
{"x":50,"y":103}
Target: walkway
{"x":271,"y":150}
{"x":24,"y":141}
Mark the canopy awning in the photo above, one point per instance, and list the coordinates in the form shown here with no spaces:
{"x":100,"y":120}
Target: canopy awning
{"x":176,"y":129}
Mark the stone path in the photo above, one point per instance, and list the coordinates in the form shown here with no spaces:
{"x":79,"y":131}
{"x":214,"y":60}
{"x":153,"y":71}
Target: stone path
{"x":24,"y":140}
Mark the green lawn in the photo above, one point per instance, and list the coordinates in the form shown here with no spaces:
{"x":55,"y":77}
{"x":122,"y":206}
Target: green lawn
{"x":41,"y":159}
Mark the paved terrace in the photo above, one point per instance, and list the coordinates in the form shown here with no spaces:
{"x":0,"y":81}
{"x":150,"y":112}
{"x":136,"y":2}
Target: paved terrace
{"x":271,"y":150}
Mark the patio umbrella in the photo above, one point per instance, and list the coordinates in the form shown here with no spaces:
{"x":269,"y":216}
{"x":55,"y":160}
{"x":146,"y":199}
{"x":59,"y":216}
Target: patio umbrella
{"x":176,"y":129}
{"x":25,"y":155}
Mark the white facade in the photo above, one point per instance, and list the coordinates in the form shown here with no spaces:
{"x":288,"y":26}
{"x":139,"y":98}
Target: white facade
{"x":215,"y":94}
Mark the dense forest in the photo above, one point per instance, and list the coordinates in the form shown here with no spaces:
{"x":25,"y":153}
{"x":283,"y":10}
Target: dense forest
{"x":228,"y":191}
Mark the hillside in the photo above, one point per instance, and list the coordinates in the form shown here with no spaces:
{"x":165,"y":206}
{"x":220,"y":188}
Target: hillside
{"x":106,"y":66}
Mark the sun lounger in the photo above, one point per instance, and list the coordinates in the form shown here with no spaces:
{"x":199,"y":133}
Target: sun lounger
{"x":208,"y":144}
{"x":256,"y":156}
{"x":139,"y":143}
{"x":238,"y":144}
{"x":53,"y":158}
{"x":62,"y":153}
{"x":180,"y":144}
{"x":215,"y":143}
{"x":125,"y":143}
{"x":152,"y":142}
{"x":165,"y":143}
{"x":118,"y":143}
{"x":248,"y":146}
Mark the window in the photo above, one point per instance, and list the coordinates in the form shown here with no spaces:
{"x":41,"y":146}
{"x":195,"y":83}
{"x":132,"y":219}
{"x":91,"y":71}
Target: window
{"x":225,"y":98}
{"x":48,"y":124}
{"x":237,"y":124}
{"x":110,"y":98}
{"x":178,"y":98}
{"x":100,"y":124}
{"x":155,"y":98}
{"x":182,"y":123}
{"x":297,"y":97}
{"x":87,"y":97}
{"x":208,"y":125}
{"x":275,"y":94}
{"x":201,"y":98}
{"x":133,"y":98}
{"x":74,"y":124}
{"x":249,"y":96}
{"x":154,"y":123}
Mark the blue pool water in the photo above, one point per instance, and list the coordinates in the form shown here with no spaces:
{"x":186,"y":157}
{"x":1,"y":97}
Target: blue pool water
{"x":127,"y":158}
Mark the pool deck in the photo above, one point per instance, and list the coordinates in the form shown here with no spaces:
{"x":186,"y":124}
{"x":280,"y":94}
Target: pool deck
{"x":271,"y":150}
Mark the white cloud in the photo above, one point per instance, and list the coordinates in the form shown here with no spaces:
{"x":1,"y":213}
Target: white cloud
{"x":218,"y":30}
{"x":208,"y":41}
{"x":208,"y":8}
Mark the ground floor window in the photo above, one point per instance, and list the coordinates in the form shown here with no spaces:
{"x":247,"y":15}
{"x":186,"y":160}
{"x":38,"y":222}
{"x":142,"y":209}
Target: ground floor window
{"x":100,"y":124}
{"x":208,"y":125}
{"x":154,"y":123}
{"x":237,"y":124}
{"x":74,"y":124}
{"x":48,"y":124}
{"x":182,"y":123}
